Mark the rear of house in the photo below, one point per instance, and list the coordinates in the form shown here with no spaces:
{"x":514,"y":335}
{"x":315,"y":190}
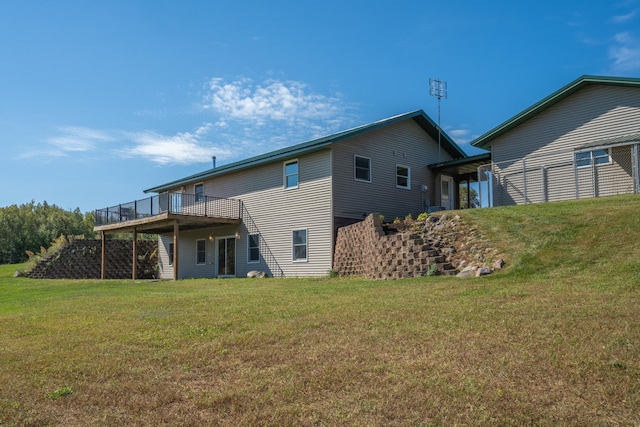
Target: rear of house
{"x":581,"y":141}
{"x":286,"y":205}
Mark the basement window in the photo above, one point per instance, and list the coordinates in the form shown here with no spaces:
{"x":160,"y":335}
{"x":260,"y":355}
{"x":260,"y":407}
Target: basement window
{"x":254,"y":248}
{"x":201,"y":252}
{"x":299,"y":239}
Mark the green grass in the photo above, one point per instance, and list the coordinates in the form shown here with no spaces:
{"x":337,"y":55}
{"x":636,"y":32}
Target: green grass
{"x":554,"y":339}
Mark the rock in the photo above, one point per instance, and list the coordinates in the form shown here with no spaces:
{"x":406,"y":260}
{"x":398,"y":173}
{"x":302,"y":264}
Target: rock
{"x":434,"y":218}
{"x":498,"y":264}
{"x":483,"y":271}
{"x":257,"y":274}
{"x":468,"y":271}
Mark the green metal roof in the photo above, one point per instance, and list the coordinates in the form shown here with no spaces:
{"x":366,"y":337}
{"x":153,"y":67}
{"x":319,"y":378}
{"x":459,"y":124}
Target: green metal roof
{"x":318,"y":144}
{"x":557,"y":96}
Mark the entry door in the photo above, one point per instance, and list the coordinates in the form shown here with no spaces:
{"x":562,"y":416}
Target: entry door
{"x":446,"y":192}
{"x":227,"y":257}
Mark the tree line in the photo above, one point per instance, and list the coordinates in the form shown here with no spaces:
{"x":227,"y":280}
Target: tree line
{"x":30,"y":226}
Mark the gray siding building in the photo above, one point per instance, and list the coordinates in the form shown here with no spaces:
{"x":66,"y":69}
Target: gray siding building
{"x":580,"y":141}
{"x":279,"y":212}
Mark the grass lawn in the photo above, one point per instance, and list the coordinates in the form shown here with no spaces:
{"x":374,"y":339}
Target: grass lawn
{"x":554,"y":339}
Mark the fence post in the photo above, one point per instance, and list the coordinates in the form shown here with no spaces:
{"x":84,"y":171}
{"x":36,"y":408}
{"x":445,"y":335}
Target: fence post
{"x":543,"y":178}
{"x":593,"y":177}
{"x":575,"y":176}
{"x":636,"y":169}
{"x":524,"y":180}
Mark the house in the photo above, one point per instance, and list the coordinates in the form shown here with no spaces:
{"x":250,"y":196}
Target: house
{"x":580,"y":141}
{"x":279,"y":212}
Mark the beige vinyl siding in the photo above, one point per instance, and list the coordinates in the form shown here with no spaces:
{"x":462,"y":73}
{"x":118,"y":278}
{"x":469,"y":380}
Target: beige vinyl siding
{"x":403,"y":143}
{"x":547,"y":142}
{"x":165,"y":270}
{"x":276,"y":211}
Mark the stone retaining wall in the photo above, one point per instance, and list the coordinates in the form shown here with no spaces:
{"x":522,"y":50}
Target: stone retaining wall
{"x":80,"y":259}
{"x":363,"y":249}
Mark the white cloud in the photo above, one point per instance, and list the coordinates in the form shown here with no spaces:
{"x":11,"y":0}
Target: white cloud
{"x":182,"y":148}
{"x":621,"y":19}
{"x":78,"y":139}
{"x":460,"y":136}
{"x":70,"y":140}
{"x":625,"y":53}
{"x":244,"y":119}
{"x":287,"y":102}
{"x":260,"y":117}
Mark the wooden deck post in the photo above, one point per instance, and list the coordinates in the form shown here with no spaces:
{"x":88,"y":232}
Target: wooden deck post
{"x":176,"y":235}
{"x":103,"y":260}
{"x":134,"y":261}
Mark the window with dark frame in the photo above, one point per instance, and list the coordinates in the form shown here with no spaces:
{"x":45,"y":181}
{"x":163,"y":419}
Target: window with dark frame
{"x":403,"y":177}
{"x":201,"y":252}
{"x":291,"y":174}
{"x":199,"y":192}
{"x":299,"y":239}
{"x":171,"y":249}
{"x":362,"y":168}
{"x":254,"y":248}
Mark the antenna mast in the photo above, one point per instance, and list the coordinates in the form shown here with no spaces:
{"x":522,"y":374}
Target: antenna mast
{"x":438,"y":88}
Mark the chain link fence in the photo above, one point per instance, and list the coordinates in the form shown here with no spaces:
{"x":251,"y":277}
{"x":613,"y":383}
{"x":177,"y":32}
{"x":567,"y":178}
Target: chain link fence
{"x":563,"y":175}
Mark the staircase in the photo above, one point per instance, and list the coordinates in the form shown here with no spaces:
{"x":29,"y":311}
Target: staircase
{"x":265,"y":253}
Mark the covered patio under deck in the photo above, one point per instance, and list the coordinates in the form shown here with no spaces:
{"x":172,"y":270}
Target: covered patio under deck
{"x":164,"y":213}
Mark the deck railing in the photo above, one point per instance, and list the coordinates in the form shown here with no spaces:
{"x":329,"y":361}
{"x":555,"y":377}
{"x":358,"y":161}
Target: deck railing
{"x":173,"y":203}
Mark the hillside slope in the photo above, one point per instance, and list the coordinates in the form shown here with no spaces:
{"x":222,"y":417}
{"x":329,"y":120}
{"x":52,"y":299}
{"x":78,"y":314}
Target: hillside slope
{"x":573,"y":238}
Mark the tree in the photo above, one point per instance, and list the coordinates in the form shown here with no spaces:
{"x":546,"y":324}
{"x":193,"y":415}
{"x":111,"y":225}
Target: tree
{"x":468,"y":197}
{"x":30,"y":226}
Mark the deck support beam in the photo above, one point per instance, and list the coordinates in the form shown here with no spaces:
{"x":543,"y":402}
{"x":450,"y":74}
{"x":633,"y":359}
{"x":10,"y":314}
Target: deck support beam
{"x":176,"y":236}
{"x":134,"y":261}
{"x":103,"y":259}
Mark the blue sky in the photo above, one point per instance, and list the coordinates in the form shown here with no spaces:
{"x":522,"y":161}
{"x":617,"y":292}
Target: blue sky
{"x":102,"y":100}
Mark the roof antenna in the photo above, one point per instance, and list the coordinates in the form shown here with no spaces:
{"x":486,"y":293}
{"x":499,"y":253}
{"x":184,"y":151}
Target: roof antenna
{"x":438,"y":88}
{"x":213,"y":158}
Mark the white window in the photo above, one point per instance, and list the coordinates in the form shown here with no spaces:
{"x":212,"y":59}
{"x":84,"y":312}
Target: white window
{"x":299,"y":239}
{"x":403,"y":176}
{"x":595,"y":157}
{"x":198,"y":189}
{"x":201,"y":252}
{"x":362,"y":168}
{"x":291,"y":174}
{"x":254,"y":248}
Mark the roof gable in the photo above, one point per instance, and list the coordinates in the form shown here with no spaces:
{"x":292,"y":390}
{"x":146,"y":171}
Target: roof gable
{"x":485,"y":140}
{"x":419,"y":116}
